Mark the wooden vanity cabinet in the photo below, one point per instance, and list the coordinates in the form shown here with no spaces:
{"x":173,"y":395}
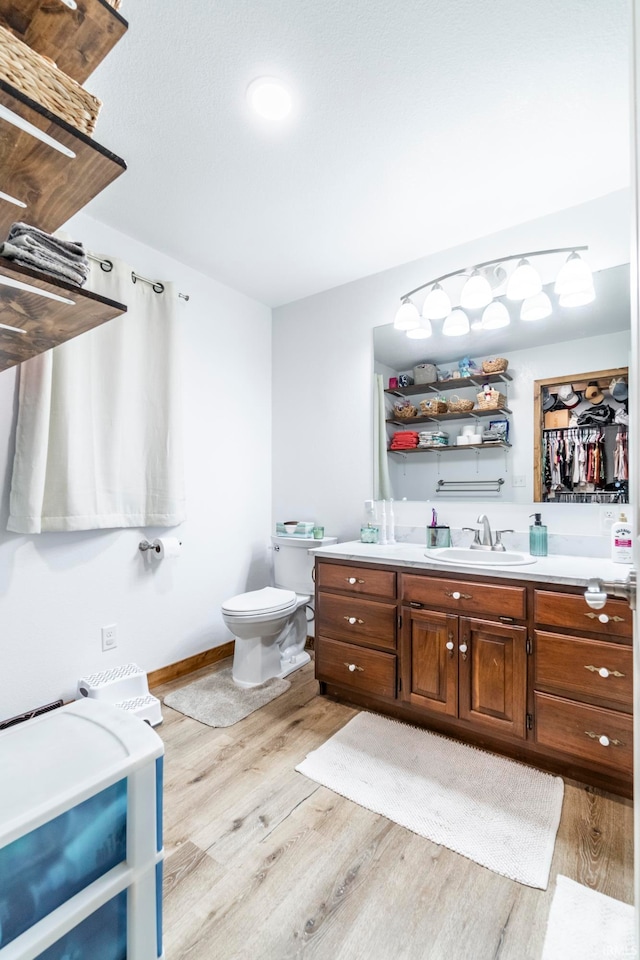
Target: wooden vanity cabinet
{"x":525,"y":669}
{"x":465,"y":667}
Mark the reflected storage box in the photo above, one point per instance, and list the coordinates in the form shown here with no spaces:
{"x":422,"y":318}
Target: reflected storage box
{"x":81,"y":836}
{"x":303,"y":528}
{"x":556,"y":419}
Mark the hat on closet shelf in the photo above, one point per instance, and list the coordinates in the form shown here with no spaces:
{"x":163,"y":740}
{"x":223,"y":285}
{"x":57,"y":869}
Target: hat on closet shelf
{"x":548,"y":400}
{"x":618,"y":389}
{"x":569,"y":397}
{"x":593,"y":393}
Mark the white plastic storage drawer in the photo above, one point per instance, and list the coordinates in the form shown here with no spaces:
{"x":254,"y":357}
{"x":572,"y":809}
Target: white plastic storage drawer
{"x":81,"y":836}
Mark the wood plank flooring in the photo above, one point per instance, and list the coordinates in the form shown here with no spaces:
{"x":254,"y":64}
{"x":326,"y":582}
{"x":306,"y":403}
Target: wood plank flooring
{"x":263,"y":864}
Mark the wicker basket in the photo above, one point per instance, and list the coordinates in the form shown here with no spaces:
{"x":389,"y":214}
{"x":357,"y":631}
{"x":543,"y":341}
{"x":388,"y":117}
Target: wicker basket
{"x":499,"y":365}
{"x":116,"y":4}
{"x":458,"y":405}
{"x":405,"y":413}
{"x":491,"y":400}
{"x":40,"y":80}
{"x":433,"y":405}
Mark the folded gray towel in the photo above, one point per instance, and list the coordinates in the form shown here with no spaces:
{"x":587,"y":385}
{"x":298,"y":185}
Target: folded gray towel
{"x":53,"y":267}
{"x":28,"y":247}
{"x":70,"y":249}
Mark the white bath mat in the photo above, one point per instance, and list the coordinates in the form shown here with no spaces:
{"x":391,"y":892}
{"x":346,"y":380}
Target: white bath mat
{"x":587,"y":925}
{"x":216,"y":701}
{"x":497,"y":812}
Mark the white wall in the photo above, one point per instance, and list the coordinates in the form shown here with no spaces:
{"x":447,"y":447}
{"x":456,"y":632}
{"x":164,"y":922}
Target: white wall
{"x":323,"y":359}
{"x":56,"y":590}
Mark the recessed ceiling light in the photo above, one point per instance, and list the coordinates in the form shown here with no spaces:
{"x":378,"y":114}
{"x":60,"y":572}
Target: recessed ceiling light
{"x":270,"y":98}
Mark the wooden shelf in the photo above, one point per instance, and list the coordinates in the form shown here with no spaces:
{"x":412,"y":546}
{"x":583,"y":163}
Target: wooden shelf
{"x":77,"y":40}
{"x":47,"y":322}
{"x":53,"y":185}
{"x":440,"y":386}
{"x":437,"y":417}
{"x":492,"y":445}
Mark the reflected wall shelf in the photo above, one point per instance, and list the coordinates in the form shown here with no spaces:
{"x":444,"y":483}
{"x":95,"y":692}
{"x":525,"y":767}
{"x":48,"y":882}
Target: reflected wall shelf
{"x":47,"y":322}
{"x":77,"y":40}
{"x":499,"y":444}
{"x":471,"y":415}
{"x":459,"y":383}
{"x":53,"y":185}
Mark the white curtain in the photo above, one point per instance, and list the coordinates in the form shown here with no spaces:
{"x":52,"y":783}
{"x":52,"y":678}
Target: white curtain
{"x":99,"y":439}
{"x":381,"y":483}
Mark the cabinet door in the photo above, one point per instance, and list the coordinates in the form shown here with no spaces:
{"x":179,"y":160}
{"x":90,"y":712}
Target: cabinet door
{"x":430,"y":661}
{"x":493,"y":675}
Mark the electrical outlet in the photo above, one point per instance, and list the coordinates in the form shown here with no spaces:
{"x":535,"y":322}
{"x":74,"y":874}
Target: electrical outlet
{"x":109,"y":637}
{"x":519,"y":481}
{"x":607,"y":518}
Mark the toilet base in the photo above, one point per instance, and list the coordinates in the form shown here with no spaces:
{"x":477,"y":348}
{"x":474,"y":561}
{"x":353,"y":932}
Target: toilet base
{"x":290,"y":665}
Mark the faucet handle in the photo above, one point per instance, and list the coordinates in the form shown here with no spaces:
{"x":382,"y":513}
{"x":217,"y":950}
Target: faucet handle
{"x":476,"y":534}
{"x":499,"y":545}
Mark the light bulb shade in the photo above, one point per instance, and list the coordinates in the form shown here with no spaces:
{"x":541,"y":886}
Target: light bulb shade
{"x":476,"y":292}
{"x":456,"y":324}
{"x":536,"y":308}
{"x":525,"y":281}
{"x":574,"y":276}
{"x":407,"y":317}
{"x":437,"y":304}
{"x":495,"y":316}
{"x":422,"y":332}
{"x":577,"y":299}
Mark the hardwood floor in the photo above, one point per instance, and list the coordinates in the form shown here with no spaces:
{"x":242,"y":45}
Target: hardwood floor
{"x":263,"y":864}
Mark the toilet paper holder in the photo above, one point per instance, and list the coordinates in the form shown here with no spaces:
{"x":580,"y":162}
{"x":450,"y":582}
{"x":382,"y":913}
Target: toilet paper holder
{"x":154,"y":545}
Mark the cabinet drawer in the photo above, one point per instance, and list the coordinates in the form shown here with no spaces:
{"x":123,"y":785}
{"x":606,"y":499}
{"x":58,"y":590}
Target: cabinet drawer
{"x":570,"y":610}
{"x":465,"y":597}
{"x":571,"y":666}
{"x":379,"y":583}
{"x":350,"y":665}
{"x":357,"y":620}
{"x":575,"y":728}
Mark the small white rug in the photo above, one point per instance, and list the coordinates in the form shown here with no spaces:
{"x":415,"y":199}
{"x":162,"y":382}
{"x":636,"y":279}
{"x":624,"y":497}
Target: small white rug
{"x":216,"y":701}
{"x":587,"y":925}
{"x":499,"y":813}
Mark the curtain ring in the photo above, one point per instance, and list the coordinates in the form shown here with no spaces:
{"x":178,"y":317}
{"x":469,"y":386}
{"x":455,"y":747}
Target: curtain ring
{"x":158,"y":287}
{"x":106,"y":265}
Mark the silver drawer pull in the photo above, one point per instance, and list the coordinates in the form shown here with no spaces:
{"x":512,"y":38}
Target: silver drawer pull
{"x":603,"y":672}
{"x":456,"y":595}
{"x":603,"y":739}
{"x":352,"y":667}
{"x":353,"y":580}
{"x":603,"y":618}
{"x":353,"y":620}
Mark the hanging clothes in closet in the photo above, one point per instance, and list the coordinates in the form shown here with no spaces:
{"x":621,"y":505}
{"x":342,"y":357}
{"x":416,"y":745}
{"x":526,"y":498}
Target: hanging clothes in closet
{"x":574,"y":459}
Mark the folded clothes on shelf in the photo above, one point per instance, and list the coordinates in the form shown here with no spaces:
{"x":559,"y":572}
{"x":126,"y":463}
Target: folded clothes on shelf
{"x":404,"y":440}
{"x":62,"y":259}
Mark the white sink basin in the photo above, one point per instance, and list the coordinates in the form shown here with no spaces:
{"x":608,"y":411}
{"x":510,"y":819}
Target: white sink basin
{"x":478,"y":558}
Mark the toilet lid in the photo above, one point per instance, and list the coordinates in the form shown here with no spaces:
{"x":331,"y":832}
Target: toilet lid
{"x":256,"y":602}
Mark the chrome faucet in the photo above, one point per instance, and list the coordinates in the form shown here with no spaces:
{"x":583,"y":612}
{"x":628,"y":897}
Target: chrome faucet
{"x":487,"y":539}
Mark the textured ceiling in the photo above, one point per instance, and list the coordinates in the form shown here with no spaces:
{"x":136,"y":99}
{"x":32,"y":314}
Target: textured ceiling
{"x":418,"y":125}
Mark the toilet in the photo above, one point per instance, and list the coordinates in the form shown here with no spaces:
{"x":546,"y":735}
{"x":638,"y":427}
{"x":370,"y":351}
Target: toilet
{"x":270,"y":625}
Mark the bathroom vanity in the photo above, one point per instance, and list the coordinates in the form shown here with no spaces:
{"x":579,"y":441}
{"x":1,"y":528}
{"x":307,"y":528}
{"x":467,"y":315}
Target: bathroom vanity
{"x":509,"y":659}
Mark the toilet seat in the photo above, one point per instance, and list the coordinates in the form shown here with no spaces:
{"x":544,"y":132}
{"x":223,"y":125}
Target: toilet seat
{"x":256,"y":603}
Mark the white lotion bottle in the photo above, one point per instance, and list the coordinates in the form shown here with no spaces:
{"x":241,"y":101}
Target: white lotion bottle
{"x":381,"y":517}
{"x":621,"y":541}
{"x":391,"y":526}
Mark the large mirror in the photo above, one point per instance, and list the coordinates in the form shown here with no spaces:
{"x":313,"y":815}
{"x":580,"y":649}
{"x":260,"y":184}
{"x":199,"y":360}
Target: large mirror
{"x":488,"y":454}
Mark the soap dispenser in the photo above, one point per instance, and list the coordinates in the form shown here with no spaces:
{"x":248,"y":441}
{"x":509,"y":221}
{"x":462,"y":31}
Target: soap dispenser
{"x":537,"y":537}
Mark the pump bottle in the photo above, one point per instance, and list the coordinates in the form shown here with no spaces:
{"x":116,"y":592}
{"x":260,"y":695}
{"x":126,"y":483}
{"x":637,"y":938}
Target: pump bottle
{"x":537,"y":537}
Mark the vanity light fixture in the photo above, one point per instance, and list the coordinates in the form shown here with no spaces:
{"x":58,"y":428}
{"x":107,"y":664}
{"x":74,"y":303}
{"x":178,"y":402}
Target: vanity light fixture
{"x":437,"y":305}
{"x":525,"y":281}
{"x":476,"y":292}
{"x":485,"y":283}
{"x":270,"y":98}
{"x":495,"y":316}
{"x":456,"y":324}
{"x":422,"y":332}
{"x":536,"y":308}
{"x":407,"y":317}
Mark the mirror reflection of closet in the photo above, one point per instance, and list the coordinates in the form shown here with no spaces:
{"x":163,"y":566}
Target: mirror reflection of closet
{"x":581,"y":438}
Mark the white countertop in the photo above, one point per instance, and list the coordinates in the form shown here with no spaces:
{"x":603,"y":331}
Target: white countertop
{"x":573,"y":571}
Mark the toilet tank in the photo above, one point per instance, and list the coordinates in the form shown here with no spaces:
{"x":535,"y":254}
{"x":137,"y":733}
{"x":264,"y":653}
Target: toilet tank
{"x":292,"y":563}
